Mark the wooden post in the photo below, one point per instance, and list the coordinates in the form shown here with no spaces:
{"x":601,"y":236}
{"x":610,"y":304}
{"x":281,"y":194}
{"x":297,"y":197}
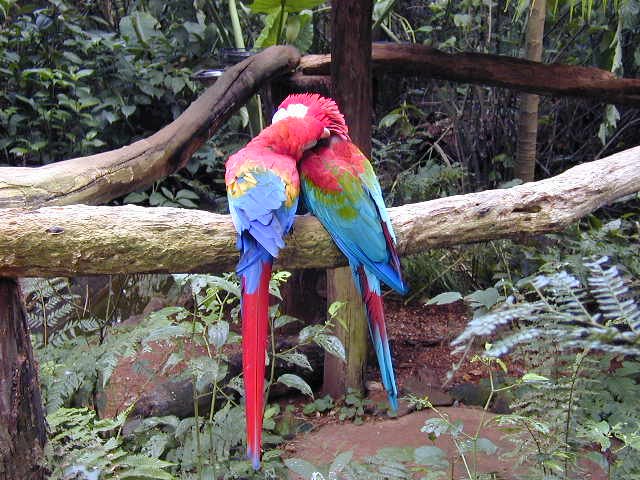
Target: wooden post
{"x":22,"y":423}
{"x":351,"y":88}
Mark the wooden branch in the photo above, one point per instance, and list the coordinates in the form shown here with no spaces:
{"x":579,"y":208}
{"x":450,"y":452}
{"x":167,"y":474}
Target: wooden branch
{"x":80,"y":239}
{"x":501,"y":71}
{"x":99,"y":178}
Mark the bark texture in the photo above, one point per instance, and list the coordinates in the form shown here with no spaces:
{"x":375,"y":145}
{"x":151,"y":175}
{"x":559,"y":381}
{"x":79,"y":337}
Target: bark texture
{"x":22,"y":423}
{"x":338,"y":375}
{"x":99,"y":178}
{"x":500,"y":71}
{"x":525,"y":164}
{"x":81,"y":239}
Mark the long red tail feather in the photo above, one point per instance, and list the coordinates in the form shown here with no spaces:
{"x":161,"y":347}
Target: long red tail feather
{"x":370,"y":289}
{"x":255,"y":323}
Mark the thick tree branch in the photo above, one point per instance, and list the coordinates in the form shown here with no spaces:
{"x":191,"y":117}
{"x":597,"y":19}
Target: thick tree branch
{"x":82,"y":239}
{"x":99,"y":178}
{"x":544,"y":79}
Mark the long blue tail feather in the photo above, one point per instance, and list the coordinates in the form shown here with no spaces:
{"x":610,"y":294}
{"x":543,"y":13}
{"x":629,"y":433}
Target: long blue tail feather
{"x":369,"y":287}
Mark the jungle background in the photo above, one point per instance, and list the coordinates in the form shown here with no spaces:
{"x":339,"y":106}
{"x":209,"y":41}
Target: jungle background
{"x":546,"y":329}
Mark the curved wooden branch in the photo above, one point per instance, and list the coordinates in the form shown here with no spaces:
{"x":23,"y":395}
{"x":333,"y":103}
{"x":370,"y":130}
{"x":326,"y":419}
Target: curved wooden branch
{"x":99,"y":178}
{"x":501,"y":71}
{"x":82,"y":239}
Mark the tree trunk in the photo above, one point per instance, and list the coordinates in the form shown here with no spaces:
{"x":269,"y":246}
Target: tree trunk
{"x":86,"y":240}
{"x":351,"y":87}
{"x":22,"y":422}
{"x":525,"y":163}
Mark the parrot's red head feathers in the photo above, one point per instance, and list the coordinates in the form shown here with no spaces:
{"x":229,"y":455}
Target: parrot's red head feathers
{"x":313,"y":105}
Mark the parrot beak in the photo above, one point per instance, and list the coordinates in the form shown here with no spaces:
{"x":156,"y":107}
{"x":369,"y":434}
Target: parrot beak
{"x":325,"y":133}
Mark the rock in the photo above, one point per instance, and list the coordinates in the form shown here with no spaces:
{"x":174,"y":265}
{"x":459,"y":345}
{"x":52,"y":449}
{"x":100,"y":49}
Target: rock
{"x":372,"y":386}
{"x":426,"y":384}
{"x":140,"y":379}
{"x":471,"y":393}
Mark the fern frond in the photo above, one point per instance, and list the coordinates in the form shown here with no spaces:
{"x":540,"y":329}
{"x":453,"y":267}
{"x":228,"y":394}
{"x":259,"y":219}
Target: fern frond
{"x":612,"y":294}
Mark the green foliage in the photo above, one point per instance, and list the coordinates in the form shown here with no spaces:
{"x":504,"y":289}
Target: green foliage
{"x":563,"y":314}
{"x":286,"y":22}
{"x":387,"y":463}
{"x":75,"y":364}
{"x":353,"y":407}
{"x":82,"y":447}
{"x":414,"y":167}
{"x":319,"y":405}
{"x":572,"y":334}
{"x":73,"y":84}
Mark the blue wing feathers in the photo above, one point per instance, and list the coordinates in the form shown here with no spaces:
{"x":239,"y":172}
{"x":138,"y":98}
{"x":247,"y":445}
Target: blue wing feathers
{"x":363,"y":239}
{"x":261,"y":211}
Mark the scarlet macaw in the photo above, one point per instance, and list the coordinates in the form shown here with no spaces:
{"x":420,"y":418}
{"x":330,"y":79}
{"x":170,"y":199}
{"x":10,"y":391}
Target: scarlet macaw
{"x":340,"y":188}
{"x":263,"y":187}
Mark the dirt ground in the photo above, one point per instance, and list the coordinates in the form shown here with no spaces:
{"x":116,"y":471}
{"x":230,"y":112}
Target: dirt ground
{"x":420,"y":337}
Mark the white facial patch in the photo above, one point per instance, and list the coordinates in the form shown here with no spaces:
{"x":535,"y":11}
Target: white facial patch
{"x":294,"y":110}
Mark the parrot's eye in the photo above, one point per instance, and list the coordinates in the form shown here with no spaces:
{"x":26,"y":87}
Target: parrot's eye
{"x":294,"y":110}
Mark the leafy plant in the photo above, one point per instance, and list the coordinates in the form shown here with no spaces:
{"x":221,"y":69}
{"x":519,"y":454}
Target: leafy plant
{"x":73,"y":84}
{"x":208,"y":445}
{"x":354,"y":407}
{"x":286,"y":21}
{"x":570,"y":332}
{"x":81,"y":446}
{"x":319,"y":405}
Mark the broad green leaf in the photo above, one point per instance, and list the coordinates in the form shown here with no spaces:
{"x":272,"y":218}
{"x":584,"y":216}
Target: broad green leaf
{"x":166,"y":192}
{"x":462,"y":20}
{"x":218,"y":333}
{"x":487,"y":298}
{"x":396,"y":454}
{"x":140,"y":26}
{"x":146,"y":472}
{"x":301,"y":467}
{"x":136,"y":197}
{"x":294,"y":381}
{"x":308,"y":332}
{"x":335,"y":308}
{"x":332,"y":345}
{"x":269,"y":34}
{"x":184,"y":193}
{"x":533,"y":378}
{"x":290,"y":6}
{"x":445,"y":298}
{"x":85,"y":72}
{"x":431,"y":456}
{"x":304,"y":38}
{"x":389,"y":120}
{"x":224,"y":284}
{"x":157,"y":199}
{"x":185,"y":202}
{"x":341,"y":461}
{"x":296,"y":358}
{"x":176,"y":84}
{"x":435,"y":427}
{"x":165,"y":313}
{"x":486,"y":446}
{"x":72,"y":57}
{"x":127,"y":110}
{"x":283,"y":320}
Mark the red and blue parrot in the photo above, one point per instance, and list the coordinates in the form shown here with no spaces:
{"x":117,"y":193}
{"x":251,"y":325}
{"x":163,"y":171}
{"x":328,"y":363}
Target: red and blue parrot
{"x":340,"y":188}
{"x":263,"y":188}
